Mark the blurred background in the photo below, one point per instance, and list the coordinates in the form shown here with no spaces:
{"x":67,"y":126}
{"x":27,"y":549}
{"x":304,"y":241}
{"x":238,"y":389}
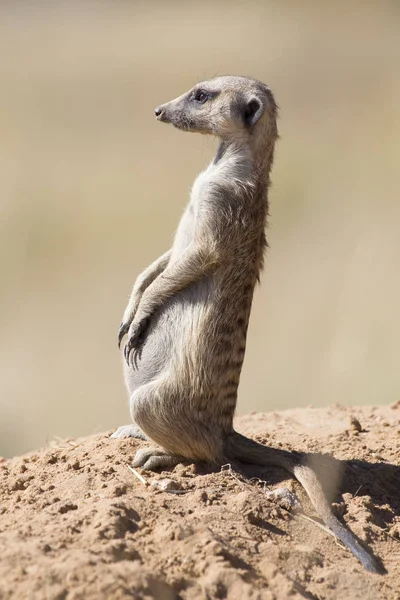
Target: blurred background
{"x":92,"y":187}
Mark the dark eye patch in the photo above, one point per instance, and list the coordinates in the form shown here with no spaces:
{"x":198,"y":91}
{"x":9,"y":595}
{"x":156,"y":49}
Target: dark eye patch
{"x":201,"y":96}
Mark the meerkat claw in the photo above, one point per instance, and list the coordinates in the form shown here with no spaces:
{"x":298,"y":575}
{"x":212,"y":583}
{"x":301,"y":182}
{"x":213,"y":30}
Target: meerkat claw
{"x":128,"y":351}
{"x":134,"y":344}
{"x":123,"y":330}
{"x":126,"y":354}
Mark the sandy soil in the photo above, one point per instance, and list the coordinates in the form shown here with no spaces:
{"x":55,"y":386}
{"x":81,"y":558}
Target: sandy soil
{"x":76,"y":523}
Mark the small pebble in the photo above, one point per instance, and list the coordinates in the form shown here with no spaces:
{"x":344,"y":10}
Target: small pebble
{"x":355,"y":424}
{"x":166,"y":485}
{"x":284,"y":498}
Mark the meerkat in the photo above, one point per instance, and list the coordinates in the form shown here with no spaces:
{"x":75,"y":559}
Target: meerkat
{"x":187,"y":317}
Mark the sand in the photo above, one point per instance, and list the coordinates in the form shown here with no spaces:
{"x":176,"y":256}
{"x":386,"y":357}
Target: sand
{"x":77,"y":523}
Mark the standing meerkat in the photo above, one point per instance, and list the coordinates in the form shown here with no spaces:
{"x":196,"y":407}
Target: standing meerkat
{"x":186,"y":320}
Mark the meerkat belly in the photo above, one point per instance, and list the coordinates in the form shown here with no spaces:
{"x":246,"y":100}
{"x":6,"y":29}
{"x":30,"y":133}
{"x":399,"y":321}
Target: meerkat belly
{"x":171,"y":333}
{"x":195,"y":330}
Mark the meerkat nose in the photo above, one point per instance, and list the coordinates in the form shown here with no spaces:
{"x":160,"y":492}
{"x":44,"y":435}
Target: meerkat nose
{"x":158,"y":111}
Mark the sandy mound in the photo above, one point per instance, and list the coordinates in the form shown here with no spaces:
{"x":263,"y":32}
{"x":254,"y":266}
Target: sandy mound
{"x":76,"y":523}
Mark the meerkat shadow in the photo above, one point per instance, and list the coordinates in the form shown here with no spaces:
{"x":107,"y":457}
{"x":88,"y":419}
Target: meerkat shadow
{"x":376,"y":485}
{"x":378,"y":482}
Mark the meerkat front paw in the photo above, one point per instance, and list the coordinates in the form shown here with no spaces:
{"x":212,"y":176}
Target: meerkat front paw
{"x":126,"y":322}
{"x":128,"y":317}
{"x":136,"y":337}
{"x":152,"y":459}
{"x":129,"y":431}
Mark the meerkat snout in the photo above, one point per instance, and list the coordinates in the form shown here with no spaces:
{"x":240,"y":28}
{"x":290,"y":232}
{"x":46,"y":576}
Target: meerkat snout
{"x":160,"y":113}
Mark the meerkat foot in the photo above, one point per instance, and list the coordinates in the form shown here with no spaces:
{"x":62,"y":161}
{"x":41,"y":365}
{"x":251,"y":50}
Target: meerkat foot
{"x":129,"y":431}
{"x":152,"y":459}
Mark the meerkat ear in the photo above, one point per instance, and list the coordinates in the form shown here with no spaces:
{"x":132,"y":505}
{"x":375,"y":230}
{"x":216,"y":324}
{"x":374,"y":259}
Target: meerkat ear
{"x":253,"y":111}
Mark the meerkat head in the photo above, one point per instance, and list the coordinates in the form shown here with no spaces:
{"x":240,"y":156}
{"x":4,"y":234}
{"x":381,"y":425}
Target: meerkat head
{"x":228,"y":107}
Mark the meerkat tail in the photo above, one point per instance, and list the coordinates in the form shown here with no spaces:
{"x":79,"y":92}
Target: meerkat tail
{"x":249,"y":451}
{"x":308,"y":479}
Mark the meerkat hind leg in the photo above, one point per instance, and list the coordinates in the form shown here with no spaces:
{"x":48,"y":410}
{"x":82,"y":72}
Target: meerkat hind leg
{"x":129,"y":431}
{"x":152,"y":459}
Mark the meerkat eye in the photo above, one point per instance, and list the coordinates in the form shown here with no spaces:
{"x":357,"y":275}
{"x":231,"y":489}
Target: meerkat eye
{"x":201,"y":96}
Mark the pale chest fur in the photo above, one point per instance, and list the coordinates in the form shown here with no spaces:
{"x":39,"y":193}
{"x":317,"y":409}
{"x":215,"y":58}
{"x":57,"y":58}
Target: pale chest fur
{"x":232,"y":172}
{"x":186,"y":228}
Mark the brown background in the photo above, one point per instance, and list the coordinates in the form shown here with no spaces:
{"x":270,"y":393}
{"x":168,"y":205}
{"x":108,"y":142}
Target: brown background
{"x":92,"y":187}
